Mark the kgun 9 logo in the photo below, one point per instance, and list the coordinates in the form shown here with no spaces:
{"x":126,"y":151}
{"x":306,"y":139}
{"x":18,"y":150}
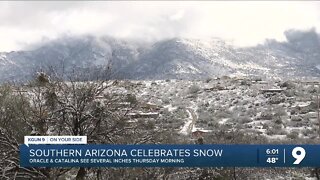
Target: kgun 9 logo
{"x":299,"y":154}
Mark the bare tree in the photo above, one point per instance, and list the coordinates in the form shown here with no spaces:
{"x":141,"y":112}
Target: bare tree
{"x":52,"y":106}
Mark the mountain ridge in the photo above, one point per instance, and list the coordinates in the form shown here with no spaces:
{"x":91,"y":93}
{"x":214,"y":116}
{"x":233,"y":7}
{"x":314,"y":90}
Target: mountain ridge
{"x":176,"y":58}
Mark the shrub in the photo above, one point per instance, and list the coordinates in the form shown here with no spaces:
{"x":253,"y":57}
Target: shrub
{"x":293,"y":135}
{"x":194,"y":89}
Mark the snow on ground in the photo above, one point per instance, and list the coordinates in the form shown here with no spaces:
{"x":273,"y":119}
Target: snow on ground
{"x":223,"y":120}
{"x":170,"y":107}
{"x":201,"y":129}
{"x":185,"y":127}
{"x":276,"y":136}
{"x":301,"y":104}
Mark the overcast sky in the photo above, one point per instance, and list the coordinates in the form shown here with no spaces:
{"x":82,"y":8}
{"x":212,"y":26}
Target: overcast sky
{"x":246,"y":23}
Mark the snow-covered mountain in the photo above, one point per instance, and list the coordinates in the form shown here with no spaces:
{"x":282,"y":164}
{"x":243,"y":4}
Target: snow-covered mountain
{"x":180,"y":58}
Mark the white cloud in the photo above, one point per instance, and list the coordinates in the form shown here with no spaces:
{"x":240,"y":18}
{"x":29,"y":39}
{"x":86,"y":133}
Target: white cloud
{"x":245,"y":22}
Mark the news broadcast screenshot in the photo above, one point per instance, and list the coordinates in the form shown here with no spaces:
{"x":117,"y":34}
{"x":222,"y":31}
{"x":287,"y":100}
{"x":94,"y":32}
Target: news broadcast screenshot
{"x":160,"y":90}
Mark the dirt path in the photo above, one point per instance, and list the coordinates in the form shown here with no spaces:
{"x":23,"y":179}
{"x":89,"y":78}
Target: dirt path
{"x":187,"y":128}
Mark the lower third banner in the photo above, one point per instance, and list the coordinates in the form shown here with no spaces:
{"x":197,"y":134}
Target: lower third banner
{"x":214,"y":155}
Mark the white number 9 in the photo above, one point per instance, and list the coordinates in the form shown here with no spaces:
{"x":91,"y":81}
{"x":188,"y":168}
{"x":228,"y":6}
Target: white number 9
{"x":299,"y":157}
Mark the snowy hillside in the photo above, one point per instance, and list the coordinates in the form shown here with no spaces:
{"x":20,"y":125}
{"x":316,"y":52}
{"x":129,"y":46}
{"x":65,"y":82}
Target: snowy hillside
{"x":176,"y":58}
{"x":277,"y":111}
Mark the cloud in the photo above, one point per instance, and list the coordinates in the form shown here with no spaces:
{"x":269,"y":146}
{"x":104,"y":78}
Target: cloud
{"x":244,"y":22}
